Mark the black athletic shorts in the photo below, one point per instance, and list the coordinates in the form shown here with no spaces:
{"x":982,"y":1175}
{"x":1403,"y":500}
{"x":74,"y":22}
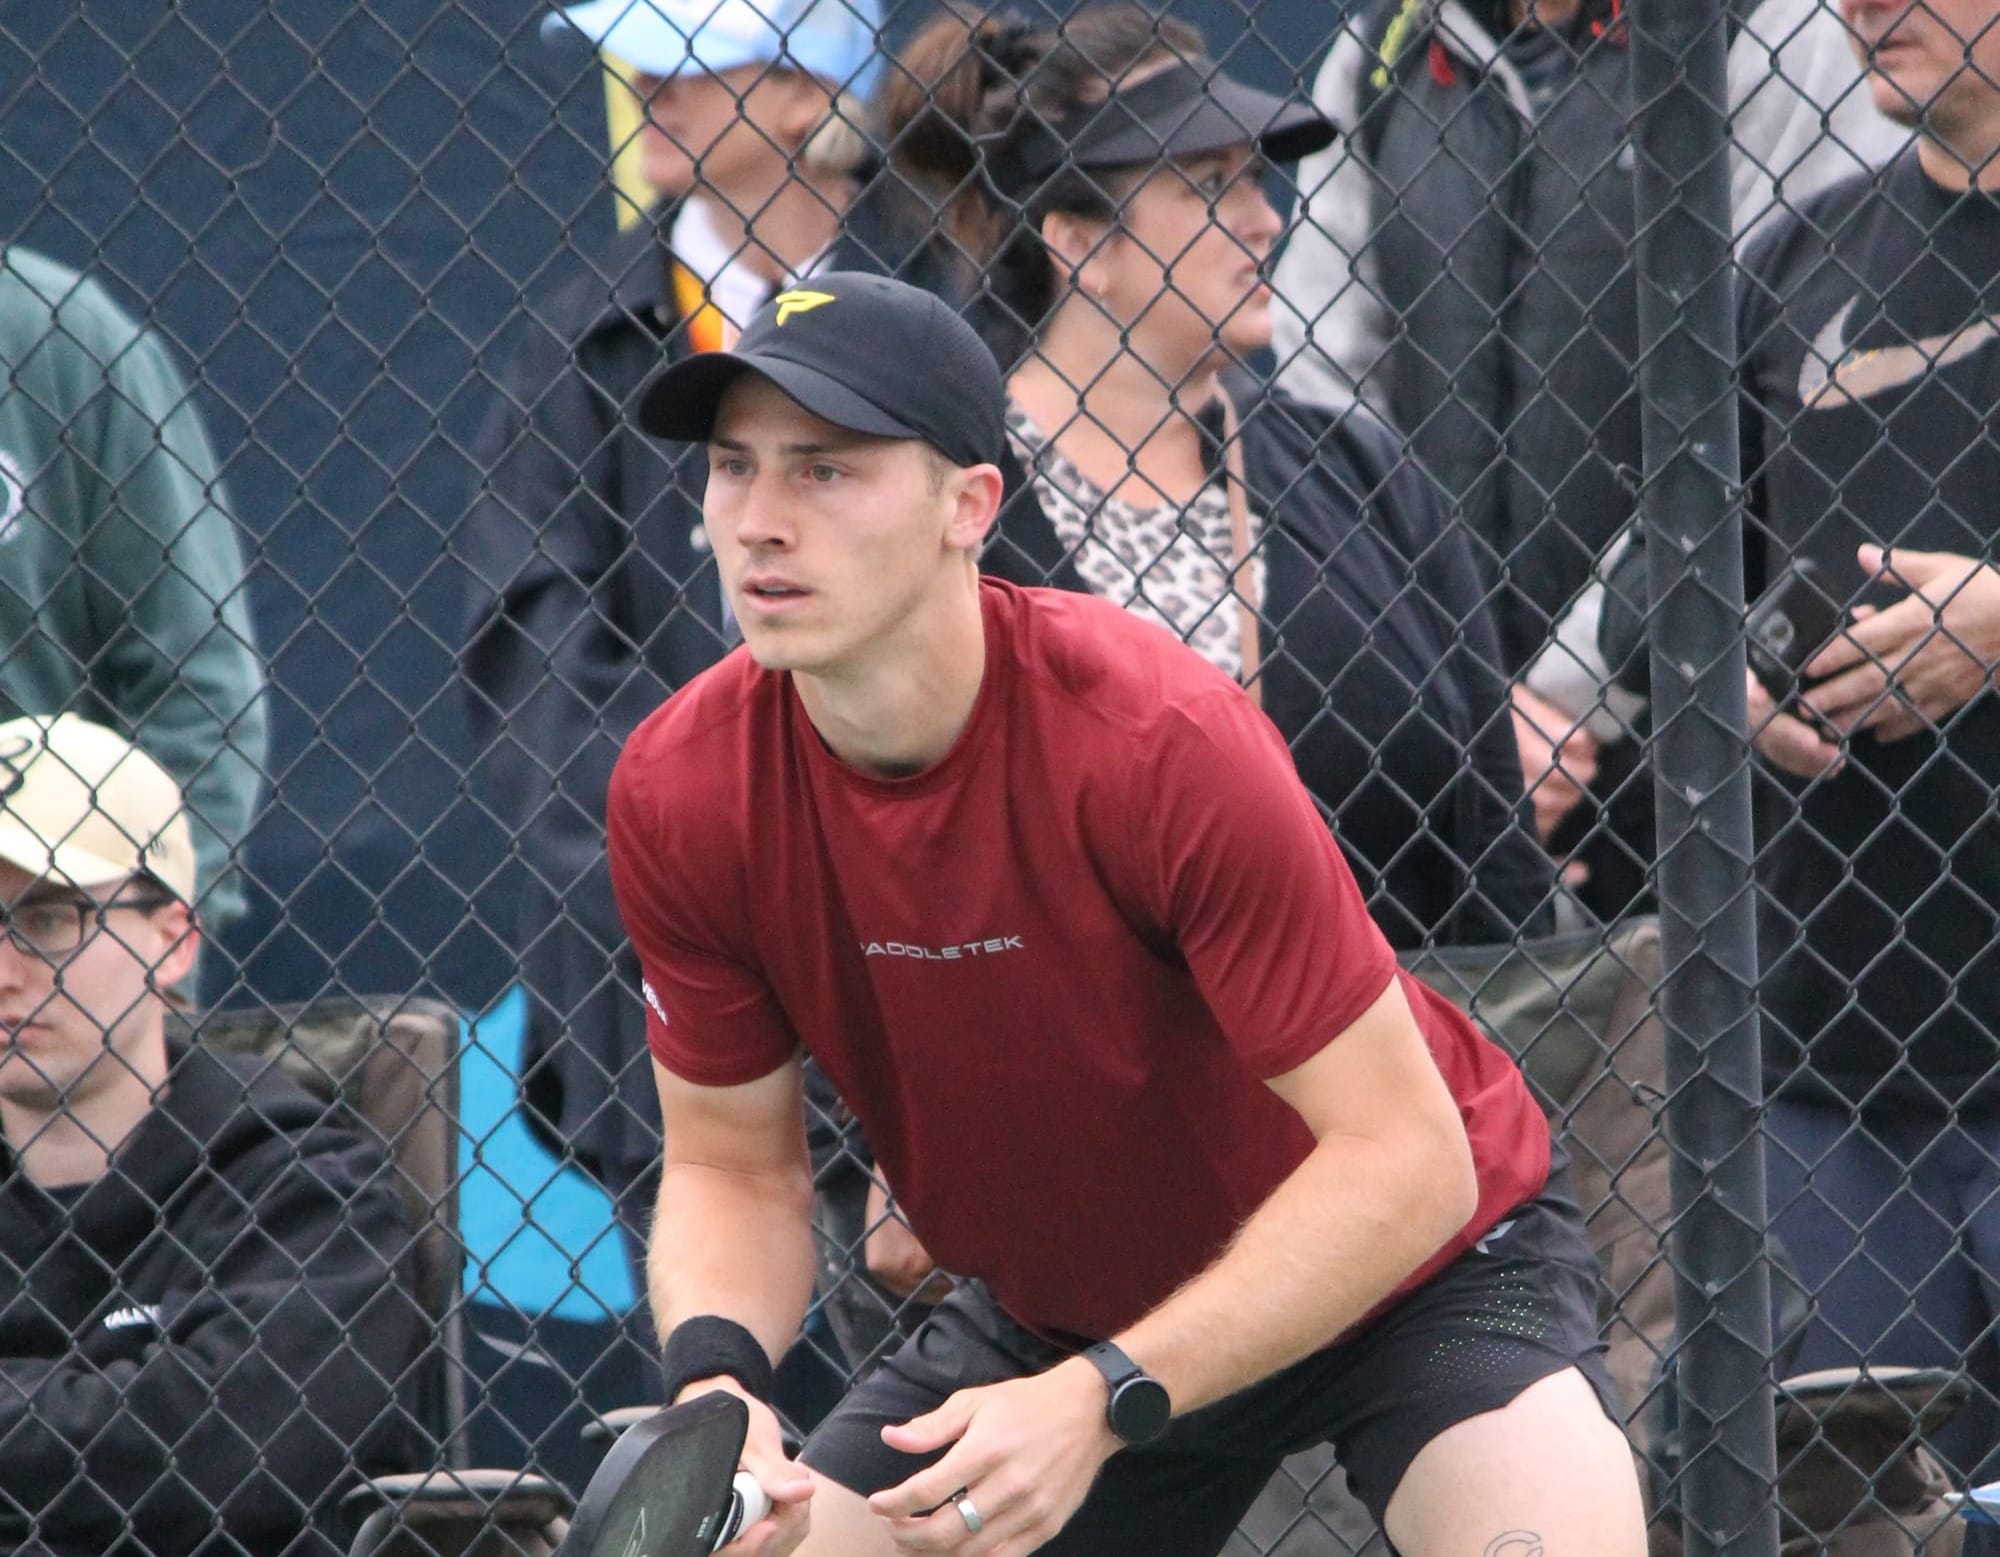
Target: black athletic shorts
{"x":1516,"y":1309}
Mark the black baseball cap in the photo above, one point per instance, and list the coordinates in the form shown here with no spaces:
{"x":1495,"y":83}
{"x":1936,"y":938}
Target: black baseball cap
{"x":863,"y":352}
{"x":1189,"y":109}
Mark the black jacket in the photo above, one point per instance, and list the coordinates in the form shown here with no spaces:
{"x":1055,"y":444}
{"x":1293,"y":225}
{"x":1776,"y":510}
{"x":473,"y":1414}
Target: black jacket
{"x":594,"y":598}
{"x":1380,"y":668}
{"x":1879,"y":902}
{"x":206,"y":1340}
{"x":1463,"y":254}
{"x":1501,"y":248}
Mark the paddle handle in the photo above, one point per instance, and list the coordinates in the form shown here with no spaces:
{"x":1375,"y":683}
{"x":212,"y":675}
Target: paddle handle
{"x":747,"y":1505}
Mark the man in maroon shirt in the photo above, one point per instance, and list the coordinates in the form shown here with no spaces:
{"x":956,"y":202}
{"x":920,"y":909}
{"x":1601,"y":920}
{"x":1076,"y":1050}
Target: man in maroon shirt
{"x":1040,"y":890}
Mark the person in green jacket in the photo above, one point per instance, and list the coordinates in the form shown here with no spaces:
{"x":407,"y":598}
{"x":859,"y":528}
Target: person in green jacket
{"x":121,"y":576}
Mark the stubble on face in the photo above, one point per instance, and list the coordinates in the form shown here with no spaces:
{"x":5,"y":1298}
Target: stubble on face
{"x":1933,"y":65}
{"x":851,"y":523}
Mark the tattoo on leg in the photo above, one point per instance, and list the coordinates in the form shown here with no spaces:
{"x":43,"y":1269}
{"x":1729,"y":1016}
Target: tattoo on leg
{"x":1514,"y":1543}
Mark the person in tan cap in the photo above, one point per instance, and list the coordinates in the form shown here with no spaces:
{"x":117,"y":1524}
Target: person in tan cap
{"x":202,"y":1317}
{"x":97,"y":871}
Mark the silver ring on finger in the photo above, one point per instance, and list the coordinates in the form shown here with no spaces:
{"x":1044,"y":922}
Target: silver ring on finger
{"x":968,"y":1511}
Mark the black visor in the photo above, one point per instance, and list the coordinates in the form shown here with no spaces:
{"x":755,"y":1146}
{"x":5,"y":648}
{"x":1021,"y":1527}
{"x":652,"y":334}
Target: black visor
{"x":1186,"y":110}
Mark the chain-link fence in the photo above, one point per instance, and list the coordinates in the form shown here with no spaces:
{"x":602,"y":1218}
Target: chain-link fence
{"x":1573,"y":423}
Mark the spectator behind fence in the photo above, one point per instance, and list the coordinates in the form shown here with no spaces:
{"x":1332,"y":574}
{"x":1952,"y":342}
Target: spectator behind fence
{"x":1290,"y":547}
{"x":1041,"y":889}
{"x":121,"y":575}
{"x":1870,"y":330}
{"x":1463,"y":262}
{"x":595,"y":593}
{"x":202,"y":1320}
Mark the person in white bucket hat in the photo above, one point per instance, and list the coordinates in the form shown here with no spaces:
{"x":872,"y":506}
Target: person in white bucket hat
{"x":753,"y":120}
{"x":593,"y":593}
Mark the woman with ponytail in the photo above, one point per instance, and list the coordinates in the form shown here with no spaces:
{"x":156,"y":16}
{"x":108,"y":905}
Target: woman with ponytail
{"x":1101,"y":182}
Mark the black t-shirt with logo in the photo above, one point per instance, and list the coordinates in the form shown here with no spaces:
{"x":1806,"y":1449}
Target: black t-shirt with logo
{"x":1871,"y":334}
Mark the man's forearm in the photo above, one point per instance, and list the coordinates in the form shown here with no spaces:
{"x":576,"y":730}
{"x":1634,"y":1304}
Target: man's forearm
{"x":1336,"y":1238}
{"x":734,"y":1244}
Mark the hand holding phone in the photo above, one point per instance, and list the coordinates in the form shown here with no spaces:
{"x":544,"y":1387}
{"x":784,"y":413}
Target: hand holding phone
{"x":1791,"y":622}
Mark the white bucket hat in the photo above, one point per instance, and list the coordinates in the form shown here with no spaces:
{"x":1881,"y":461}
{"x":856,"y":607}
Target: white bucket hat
{"x":835,"y":40}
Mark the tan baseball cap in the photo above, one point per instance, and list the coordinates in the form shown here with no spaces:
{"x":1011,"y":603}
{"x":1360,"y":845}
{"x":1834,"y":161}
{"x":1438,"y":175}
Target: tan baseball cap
{"x":83,"y":804}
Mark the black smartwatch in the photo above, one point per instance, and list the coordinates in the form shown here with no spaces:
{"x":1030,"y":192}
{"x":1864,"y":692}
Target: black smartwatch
{"x":1139,"y":1409}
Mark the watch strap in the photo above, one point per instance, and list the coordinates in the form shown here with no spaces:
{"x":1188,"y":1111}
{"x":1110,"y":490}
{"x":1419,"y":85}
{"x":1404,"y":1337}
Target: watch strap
{"x":1137,"y":1408}
{"x":1110,"y":1359}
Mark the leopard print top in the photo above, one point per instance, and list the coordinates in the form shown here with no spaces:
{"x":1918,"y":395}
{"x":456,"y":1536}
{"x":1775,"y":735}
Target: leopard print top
{"x":1170,"y":565}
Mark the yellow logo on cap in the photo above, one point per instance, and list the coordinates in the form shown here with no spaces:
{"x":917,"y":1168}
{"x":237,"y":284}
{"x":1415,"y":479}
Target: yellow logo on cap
{"x":800,"y":302}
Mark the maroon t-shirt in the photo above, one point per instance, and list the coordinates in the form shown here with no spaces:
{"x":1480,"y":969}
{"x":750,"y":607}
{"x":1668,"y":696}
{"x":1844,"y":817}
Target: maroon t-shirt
{"x":1051,"y":973}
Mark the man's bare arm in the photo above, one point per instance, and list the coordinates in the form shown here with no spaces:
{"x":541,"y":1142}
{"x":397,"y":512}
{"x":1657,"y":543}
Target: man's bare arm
{"x":732,"y":1234}
{"x":1387,"y":1185}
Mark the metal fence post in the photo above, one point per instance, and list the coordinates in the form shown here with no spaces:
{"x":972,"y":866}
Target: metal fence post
{"x":1702,"y":775}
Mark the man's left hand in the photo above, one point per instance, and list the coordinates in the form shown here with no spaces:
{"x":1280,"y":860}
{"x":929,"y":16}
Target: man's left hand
{"x":1024,"y":1452}
{"x":1910,"y":666}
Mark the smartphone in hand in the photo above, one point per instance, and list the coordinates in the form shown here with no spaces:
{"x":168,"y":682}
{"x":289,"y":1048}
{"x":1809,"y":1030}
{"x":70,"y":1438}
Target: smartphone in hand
{"x":1794,"y":619}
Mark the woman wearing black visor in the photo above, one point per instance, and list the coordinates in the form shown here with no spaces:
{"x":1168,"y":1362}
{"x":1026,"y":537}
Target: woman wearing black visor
{"x":1118,"y":242}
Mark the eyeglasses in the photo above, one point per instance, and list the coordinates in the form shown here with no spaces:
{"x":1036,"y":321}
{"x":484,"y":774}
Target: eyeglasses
{"x":54,"y":928}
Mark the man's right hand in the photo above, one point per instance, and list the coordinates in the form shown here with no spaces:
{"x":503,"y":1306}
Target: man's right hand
{"x":788,"y":1484}
{"x":1788,"y":742}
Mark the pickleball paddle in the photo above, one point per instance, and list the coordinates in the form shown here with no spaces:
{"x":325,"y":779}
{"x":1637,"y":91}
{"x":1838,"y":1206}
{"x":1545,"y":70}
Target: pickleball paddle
{"x":670,"y":1487}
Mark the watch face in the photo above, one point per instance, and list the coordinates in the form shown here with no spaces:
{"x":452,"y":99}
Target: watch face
{"x":1140,"y":1410}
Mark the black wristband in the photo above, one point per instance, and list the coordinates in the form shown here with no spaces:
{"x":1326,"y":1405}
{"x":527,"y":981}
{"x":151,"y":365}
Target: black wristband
{"x":708,"y":1346}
